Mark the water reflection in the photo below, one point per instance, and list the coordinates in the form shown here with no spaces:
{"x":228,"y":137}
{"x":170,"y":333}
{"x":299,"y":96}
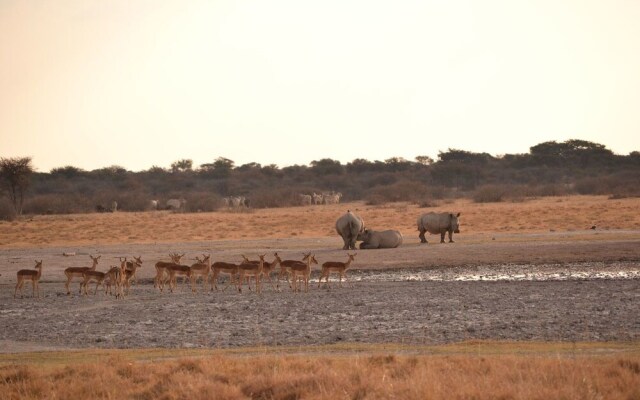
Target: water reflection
{"x":506,"y":272}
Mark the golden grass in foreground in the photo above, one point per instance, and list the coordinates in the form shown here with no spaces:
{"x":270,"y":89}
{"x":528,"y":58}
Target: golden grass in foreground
{"x":568,"y":374}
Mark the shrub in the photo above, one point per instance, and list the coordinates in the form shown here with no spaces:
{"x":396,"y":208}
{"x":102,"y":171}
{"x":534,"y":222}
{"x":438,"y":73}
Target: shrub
{"x":7,"y":212}
{"x":201,"y":201}
{"x":399,"y":191}
{"x":277,"y":197}
{"x":67,"y":203}
{"x":490,"y":194}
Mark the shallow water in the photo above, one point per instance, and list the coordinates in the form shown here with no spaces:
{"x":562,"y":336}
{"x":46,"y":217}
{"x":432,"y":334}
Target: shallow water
{"x":507,"y":272}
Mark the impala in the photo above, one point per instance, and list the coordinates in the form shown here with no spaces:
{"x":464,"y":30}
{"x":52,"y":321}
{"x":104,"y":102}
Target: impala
{"x":250,"y":269}
{"x":133,"y":266}
{"x":111,"y":279}
{"x":302,"y":271}
{"x":175,"y":270}
{"x":121,"y":278}
{"x":267,"y":268}
{"x":219,"y":267}
{"x":161,"y":269}
{"x":201,"y":268}
{"x":336,"y":266}
{"x":73,"y":272}
{"x":285,"y":267}
{"x":130,"y":272}
{"x":29,"y":275}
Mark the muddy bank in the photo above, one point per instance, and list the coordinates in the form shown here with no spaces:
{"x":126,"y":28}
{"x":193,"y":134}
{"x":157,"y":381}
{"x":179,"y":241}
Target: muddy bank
{"x":428,"y":312}
{"x":468,"y":251}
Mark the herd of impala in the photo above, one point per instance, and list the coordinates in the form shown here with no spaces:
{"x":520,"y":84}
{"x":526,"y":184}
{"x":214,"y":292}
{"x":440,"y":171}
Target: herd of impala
{"x":118,"y":279}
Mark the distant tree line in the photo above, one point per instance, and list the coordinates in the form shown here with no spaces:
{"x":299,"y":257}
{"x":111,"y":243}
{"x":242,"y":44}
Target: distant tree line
{"x":550,"y":168}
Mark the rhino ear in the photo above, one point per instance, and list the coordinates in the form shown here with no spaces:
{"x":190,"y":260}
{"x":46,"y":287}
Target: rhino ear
{"x":458,"y":215}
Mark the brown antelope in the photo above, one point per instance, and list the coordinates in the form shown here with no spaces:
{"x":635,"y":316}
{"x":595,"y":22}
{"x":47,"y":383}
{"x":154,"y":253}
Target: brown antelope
{"x":201,"y":268}
{"x":267,"y":268}
{"x":73,"y":272}
{"x":111,"y":279}
{"x":336,"y":266}
{"x":29,"y":275}
{"x":250,"y":269}
{"x":133,"y":266}
{"x":226,"y":268}
{"x":161,"y":269}
{"x":130,"y":272}
{"x":121,"y":278}
{"x":96,"y":276}
{"x":303,"y":272}
{"x":285,"y":267}
{"x":175,"y":270}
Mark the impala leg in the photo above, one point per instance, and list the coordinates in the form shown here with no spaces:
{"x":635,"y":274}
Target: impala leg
{"x":268,"y":276}
{"x":17,"y":286}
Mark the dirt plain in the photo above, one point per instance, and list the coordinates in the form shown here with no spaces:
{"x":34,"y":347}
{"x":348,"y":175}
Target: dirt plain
{"x":532,"y":270}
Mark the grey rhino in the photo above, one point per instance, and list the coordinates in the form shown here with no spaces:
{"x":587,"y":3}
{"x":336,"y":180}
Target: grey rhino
{"x":438,"y":223}
{"x":380,"y":239}
{"x":349,"y":226}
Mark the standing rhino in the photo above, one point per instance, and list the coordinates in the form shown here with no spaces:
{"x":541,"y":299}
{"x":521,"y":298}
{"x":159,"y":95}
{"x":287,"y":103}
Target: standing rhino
{"x":438,"y":223}
{"x":380,"y":239}
{"x":349,"y":226}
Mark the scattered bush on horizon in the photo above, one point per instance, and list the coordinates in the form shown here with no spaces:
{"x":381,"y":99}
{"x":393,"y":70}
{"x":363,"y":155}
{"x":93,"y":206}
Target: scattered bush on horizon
{"x":550,"y":169}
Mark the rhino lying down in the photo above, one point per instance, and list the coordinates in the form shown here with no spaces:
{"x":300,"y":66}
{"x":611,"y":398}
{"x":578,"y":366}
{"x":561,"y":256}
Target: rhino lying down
{"x":441,"y":223}
{"x":380,"y":239}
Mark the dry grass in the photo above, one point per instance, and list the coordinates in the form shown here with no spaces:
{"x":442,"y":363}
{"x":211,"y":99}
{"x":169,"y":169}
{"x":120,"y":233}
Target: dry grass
{"x":536,"y":215}
{"x":491,"y":371}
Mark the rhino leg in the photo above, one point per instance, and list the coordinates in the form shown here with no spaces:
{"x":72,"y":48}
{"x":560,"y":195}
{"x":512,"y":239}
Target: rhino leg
{"x":347,"y":242}
{"x":422,"y":238}
{"x":352,"y":242}
{"x":450,"y":237}
{"x":369,"y":245}
{"x":442,"y":236}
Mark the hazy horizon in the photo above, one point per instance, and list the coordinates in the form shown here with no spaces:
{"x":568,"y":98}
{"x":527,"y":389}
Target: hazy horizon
{"x":196,"y":165}
{"x":144,"y":83}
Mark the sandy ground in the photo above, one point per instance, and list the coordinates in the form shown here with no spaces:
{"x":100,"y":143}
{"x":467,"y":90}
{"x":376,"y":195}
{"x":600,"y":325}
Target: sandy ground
{"x":553,"y":279}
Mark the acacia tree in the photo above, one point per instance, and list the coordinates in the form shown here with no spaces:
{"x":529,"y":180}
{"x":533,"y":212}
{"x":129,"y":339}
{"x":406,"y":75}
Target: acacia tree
{"x":14,"y":177}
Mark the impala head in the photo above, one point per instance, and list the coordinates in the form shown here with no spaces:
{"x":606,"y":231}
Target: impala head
{"x":205,"y":258}
{"x":245,"y":259}
{"x":38,"y":264}
{"x":138,"y":260}
{"x":175,"y":257}
{"x":313,"y":258}
{"x":352,"y":256}
{"x":305,"y":256}
{"x":94,"y":259}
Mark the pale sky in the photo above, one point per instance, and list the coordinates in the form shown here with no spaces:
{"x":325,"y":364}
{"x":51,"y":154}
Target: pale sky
{"x":142,"y":83}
